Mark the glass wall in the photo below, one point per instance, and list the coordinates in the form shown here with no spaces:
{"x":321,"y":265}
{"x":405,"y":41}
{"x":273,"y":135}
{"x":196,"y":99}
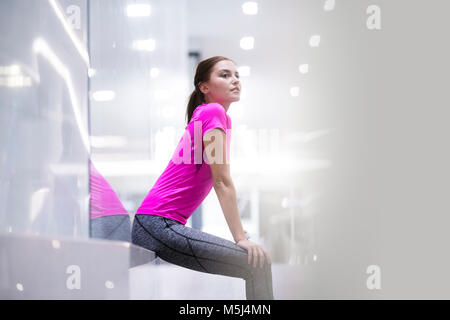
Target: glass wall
{"x":44,"y":139}
{"x":139,"y":86}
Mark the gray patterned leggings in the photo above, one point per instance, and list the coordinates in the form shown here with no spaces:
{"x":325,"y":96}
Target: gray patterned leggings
{"x":201,"y":251}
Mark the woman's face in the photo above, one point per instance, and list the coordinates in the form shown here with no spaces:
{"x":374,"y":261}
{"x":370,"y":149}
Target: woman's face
{"x":224,"y":85}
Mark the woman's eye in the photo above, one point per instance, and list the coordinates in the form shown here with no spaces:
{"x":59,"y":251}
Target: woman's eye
{"x":224,"y":75}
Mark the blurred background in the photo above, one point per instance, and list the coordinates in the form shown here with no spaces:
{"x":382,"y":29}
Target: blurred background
{"x":339,"y":144}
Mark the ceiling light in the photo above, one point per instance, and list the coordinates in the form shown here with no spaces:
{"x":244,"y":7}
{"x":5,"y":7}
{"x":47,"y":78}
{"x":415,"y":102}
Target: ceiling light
{"x":12,"y":70}
{"x":138,"y":10}
{"x":144,"y":45}
{"x":314,"y":41}
{"x":154,"y":72}
{"x":108,"y":141}
{"x":244,"y":71}
{"x":91,"y":72}
{"x":329,"y":5}
{"x":295,"y":91}
{"x":303,"y":68}
{"x":247,"y":43}
{"x":250,"y":8}
{"x":104,"y":95}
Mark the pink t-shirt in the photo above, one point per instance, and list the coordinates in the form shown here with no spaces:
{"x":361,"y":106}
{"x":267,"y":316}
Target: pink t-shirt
{"x":103,"y":200}
{"x":186,"y":181}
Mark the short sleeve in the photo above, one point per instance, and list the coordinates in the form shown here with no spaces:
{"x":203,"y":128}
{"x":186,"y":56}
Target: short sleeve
{"x":213,"y":116}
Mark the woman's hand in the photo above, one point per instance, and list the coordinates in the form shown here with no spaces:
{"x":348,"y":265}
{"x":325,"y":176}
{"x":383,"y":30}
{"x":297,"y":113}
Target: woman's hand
{"x":255,"y":252}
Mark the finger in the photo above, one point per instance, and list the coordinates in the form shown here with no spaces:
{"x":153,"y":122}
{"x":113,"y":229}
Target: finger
{"x":258,"y":260}
{"x":255,"y":257}
{"x":250,"y":253}
{"x":269,"y":259}
{"x":261,"y":257}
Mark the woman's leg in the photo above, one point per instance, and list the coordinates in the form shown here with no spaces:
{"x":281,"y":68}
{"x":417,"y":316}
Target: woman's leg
{"x":201,"y":251}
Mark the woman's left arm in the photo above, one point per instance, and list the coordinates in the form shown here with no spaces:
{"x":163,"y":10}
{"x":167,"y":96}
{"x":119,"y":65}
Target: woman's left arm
{"x":226,"y":193}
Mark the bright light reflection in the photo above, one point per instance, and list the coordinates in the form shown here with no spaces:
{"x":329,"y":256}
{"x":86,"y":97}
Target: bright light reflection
{"x":329,"y":5}
{"x":138,"y":10}
{"x":154,"y":72}
{"x":144,"y":45}
{"x":13,"y":77}
{"x":109,"y":284}
{"x":12,"y":70}
{"x":38,"y":199}
{"x":56,"y":244}
{"x":103,"y":95}
{"x":108,"y":141}
{"x":244,"y":71}
{"x":247,"y":43}
{"x":250,"y":8}
{"x":15,"y":81}
{"x":295,"y":91}
{"x":303,"y":68}
{"x":41,"y":47}
{"x":314,"y":41}
{"x":91,"y":72}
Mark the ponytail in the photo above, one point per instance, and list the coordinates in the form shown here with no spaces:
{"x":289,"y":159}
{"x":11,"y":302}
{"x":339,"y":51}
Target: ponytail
{"x":195,"y":100}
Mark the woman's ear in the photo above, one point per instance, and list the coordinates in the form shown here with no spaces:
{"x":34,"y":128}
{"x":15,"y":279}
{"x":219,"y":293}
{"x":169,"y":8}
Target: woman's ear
{"x":203,"y":87}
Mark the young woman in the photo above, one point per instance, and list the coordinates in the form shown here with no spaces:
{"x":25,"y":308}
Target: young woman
{"x":159,"y":223}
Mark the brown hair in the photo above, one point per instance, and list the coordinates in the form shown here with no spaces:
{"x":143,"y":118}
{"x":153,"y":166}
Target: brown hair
{"x":202,"y":74}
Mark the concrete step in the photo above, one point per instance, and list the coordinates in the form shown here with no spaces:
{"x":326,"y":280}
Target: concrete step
{"x":164,"y":281}
{"x":40,"y":267}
